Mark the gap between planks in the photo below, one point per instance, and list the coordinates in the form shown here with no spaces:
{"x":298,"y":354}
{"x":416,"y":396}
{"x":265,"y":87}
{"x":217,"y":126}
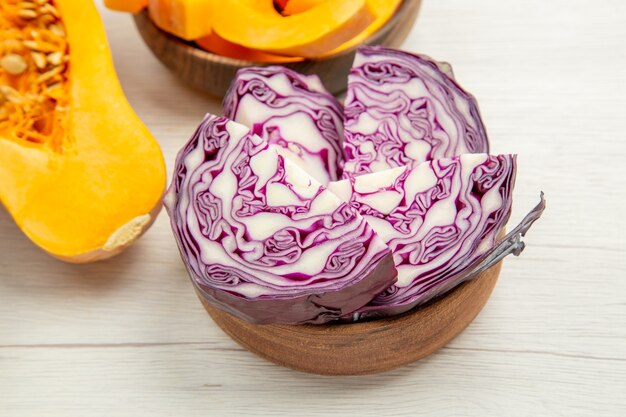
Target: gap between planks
{"x":238,"y":349}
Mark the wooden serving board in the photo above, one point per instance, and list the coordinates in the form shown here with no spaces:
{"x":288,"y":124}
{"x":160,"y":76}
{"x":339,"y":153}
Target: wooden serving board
{"x":368,"y":347}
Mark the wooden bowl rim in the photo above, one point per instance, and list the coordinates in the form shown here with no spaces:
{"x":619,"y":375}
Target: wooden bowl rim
{"x":234,"y":62}
{"x":344,"y":349}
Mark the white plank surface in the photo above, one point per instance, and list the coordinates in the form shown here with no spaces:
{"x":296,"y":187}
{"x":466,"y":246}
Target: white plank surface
{"x":127,"y":336}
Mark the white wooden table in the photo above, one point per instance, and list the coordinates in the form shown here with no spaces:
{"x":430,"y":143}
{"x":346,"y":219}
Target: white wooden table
{"x":128,"y":337}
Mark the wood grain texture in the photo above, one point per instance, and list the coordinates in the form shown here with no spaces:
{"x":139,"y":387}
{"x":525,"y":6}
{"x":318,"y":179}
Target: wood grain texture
{"x":367,"y":347}
{"x":128,"y":337}
{"x":213,"y":73}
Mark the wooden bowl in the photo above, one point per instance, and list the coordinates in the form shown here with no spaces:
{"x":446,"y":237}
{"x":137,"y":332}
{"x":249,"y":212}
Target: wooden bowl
{"x":368,"y":347}
{"x":213,"y":73}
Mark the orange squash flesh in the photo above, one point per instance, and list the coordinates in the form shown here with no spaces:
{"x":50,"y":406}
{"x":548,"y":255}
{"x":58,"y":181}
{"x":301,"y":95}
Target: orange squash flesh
{"x":383,"y":9}
{"x":128,"y":6}
{"x":187,"y":19}
{"x":94,"y":192}
{"x":319,"y":30}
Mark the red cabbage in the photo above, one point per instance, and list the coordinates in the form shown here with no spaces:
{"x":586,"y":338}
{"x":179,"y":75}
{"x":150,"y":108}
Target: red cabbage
{"x":270,"y":234}
{"x":265,"y":241}
{"x":437,"y":218}
{"x":511,"y":243}
{"x":402,"y":109}
{"x":293,"y":111}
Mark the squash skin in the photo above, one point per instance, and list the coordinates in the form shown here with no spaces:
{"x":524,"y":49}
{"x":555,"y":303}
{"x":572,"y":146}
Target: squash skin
{"x":384,"y":10}
{"x":214,"y":44}
{"x":299,"y":6}
{"x":110,"y":169}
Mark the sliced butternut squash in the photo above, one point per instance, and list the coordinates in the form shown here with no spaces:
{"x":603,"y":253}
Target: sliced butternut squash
{"x":79,"y":172}
{"x":382,"y":9}
{"x":187,"y":19}
{"x":256,"y":30}
{"x":298,"y":6}
{"x":316,"y":31}
{"x":128,"y":6}
{"x":215,"y":44}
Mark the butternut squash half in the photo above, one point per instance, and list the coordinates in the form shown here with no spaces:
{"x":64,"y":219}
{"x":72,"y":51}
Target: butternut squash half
{"x":79,"y":173}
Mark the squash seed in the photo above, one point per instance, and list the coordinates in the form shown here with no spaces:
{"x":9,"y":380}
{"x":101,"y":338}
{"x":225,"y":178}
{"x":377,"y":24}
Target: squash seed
{"x":12,"y":45}
{"x":55,"y":58}
{"x":49,"y":8}
{"x":31,"y":45}
{"x":27,"y":14}
{"x":27,"y":5}
{"x":50,"y":74}
{"x":13,"y":64}
{"x":39,"y":59}
{"x":57,"y":29}
{"x":40,"y":46}
{"x":10,"y":94}
{"x":46,"y":19}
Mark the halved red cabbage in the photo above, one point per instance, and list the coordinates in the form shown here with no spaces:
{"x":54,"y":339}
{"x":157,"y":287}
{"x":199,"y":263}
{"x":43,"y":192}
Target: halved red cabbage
{"x":293,"y":111}
{"x":262,"y":239}
{"x":402,"y":109}
{"x":438,"y":218}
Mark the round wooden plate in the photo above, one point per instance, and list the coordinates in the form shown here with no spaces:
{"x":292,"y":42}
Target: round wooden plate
{"x":367,"y":347}
{"x":214,"y":73}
